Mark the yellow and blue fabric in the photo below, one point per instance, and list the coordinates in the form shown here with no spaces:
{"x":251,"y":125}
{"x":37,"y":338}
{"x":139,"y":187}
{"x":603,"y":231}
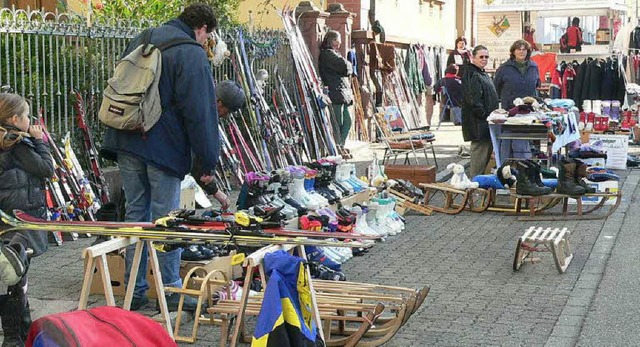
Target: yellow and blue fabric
{"x":286,"y":316}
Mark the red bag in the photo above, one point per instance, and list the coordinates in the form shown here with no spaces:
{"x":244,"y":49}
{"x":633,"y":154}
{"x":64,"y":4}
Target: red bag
{"x":100,"y":326}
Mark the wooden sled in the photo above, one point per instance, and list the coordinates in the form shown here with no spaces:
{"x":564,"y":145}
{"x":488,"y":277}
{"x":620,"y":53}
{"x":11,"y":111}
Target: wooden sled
{"x":455,"y":200}
{"x":554,"y":240}
{"x":479,"y":200}
{"x":400,"y":304}
{"x":406,"y":202}
{"x":580,"y":213}
{"x":496,"y":205}
{"x":362,"y":315}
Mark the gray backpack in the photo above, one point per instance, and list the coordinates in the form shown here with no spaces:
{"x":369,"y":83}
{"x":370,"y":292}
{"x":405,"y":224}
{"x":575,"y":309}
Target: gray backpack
{"x":131,"y":100}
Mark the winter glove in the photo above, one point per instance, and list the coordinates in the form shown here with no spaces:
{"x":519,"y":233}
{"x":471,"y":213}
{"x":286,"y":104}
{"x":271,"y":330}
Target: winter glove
{"x":13,"y":263}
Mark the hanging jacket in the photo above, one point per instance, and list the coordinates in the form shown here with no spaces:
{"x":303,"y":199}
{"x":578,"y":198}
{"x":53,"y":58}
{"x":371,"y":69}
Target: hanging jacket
{"x":511,"y":84}
{"x":335,"y":71}
{"x":480,"y":99}
{"x":189,"y":120}
{"x":414,"y":75}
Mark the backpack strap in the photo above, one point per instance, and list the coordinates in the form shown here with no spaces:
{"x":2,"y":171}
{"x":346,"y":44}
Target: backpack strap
{"x":171,"y":43}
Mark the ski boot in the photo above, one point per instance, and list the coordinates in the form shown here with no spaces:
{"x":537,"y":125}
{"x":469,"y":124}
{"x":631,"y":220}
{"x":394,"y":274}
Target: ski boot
{"x":322,"y":272}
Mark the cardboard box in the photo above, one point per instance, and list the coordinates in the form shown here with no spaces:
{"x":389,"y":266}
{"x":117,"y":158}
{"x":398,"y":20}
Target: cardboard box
{"x":117,"y":267}
{"x":415,"y":174}
{"x":601,"y":187}
{"x":116,"y":270}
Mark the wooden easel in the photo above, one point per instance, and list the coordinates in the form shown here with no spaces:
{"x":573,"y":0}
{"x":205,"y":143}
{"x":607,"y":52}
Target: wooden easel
{"x":97,"y":256}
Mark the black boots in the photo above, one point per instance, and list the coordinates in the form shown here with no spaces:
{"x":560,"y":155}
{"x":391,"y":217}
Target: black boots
{"x":581,"y":172}
{"x":15,"y":315}
{"x":529,"y":181}
{"x":567,"y":180}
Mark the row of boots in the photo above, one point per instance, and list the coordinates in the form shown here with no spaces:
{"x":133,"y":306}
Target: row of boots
{"x":570,"y":179}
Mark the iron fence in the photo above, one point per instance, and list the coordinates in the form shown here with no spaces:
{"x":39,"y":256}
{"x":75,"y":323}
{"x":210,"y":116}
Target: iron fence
{"x":45,"y":56}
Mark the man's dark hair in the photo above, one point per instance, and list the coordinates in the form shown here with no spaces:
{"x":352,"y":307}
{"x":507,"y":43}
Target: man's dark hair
{"x":575,"y":21}
{"x":198,"y":14}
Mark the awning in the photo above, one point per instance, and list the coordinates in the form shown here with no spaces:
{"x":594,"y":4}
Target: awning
{"x":560,"y":7}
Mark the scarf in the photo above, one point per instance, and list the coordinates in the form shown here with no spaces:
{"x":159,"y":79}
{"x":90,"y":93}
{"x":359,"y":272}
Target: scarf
{"x":522,"y":66}
{"x":451,"y":75}
{"x":9,"y":136}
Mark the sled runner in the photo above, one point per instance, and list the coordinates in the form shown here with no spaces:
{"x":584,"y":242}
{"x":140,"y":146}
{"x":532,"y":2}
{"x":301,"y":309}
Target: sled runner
{"x":580,"y":213}
{"x":455,"y":200}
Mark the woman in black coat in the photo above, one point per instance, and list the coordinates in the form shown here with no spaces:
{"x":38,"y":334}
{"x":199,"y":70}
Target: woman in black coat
{"x":334,"y":72}
{"x":460,"y":56}
{"x":25,"y":162}
{"x":480,"y":99}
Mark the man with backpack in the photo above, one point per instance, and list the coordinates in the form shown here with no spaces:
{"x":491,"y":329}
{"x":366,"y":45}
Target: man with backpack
{"x":153,"y":162}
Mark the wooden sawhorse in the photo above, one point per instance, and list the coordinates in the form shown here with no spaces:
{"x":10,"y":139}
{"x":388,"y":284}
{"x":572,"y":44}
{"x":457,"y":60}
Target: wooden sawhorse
{"x":97,"y":256}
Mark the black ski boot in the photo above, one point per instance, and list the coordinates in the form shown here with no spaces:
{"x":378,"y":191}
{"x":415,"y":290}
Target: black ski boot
{"x":566,"y":179}
{"x":581,"y":172}
{"x":526,"y":183}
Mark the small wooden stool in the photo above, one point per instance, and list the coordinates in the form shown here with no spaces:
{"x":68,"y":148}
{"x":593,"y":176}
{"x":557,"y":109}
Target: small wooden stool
{"x":554,"y":240}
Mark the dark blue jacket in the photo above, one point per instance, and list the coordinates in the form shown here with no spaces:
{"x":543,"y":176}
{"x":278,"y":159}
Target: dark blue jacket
{"x":511,"y":84}
{"x":189,"y":120}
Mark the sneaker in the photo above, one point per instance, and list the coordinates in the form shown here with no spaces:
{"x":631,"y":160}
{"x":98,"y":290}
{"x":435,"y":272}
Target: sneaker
{"x":138,"y":302}
{"x":173,"y":300}
{"x":192,"y":253}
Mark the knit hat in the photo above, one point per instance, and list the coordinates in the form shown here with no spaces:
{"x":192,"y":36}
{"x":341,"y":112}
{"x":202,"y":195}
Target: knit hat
{"x":231,"y":95}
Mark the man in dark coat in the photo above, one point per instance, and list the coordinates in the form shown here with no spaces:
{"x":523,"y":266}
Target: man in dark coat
{"x":480,"y":99}
{"x":153,"y":164}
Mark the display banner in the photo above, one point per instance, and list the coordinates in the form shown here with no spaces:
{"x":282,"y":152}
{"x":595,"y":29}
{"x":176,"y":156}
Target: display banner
{"x":538,"y":5}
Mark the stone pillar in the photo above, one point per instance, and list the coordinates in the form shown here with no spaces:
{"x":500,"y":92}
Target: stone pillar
{"x":341,"y":21}
{"x":312,"y":23}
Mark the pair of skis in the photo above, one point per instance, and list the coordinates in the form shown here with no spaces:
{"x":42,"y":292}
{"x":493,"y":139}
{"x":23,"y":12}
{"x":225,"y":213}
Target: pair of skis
{"x":182,"y":233}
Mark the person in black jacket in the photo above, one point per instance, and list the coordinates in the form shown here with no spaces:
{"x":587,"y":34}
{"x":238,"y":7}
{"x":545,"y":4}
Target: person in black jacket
{"x":334,"y":72}
{"x":460,"y":55}
{"x":480,"y":99}
{"x":451,"y":88}
{"x":25,"y":162}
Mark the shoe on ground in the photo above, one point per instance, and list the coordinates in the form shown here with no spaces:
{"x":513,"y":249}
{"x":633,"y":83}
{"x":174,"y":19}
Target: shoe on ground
{"x":138,"y":302}
{"x":190,"y":303}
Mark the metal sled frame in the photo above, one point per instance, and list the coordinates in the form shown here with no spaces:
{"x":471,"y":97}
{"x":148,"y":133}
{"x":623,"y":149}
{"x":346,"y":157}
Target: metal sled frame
{"x":554,"y":240}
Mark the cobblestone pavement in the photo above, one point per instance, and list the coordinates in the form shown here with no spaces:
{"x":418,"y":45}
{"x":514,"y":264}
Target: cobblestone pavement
{"x":476,"y":298}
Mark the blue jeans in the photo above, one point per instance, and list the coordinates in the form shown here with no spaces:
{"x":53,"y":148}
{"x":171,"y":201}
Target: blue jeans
{"x":150,"y":194}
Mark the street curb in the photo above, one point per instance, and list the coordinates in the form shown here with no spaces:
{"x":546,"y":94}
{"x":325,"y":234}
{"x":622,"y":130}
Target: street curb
{"x":446,"y":174}
{"x":566,"y":331}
